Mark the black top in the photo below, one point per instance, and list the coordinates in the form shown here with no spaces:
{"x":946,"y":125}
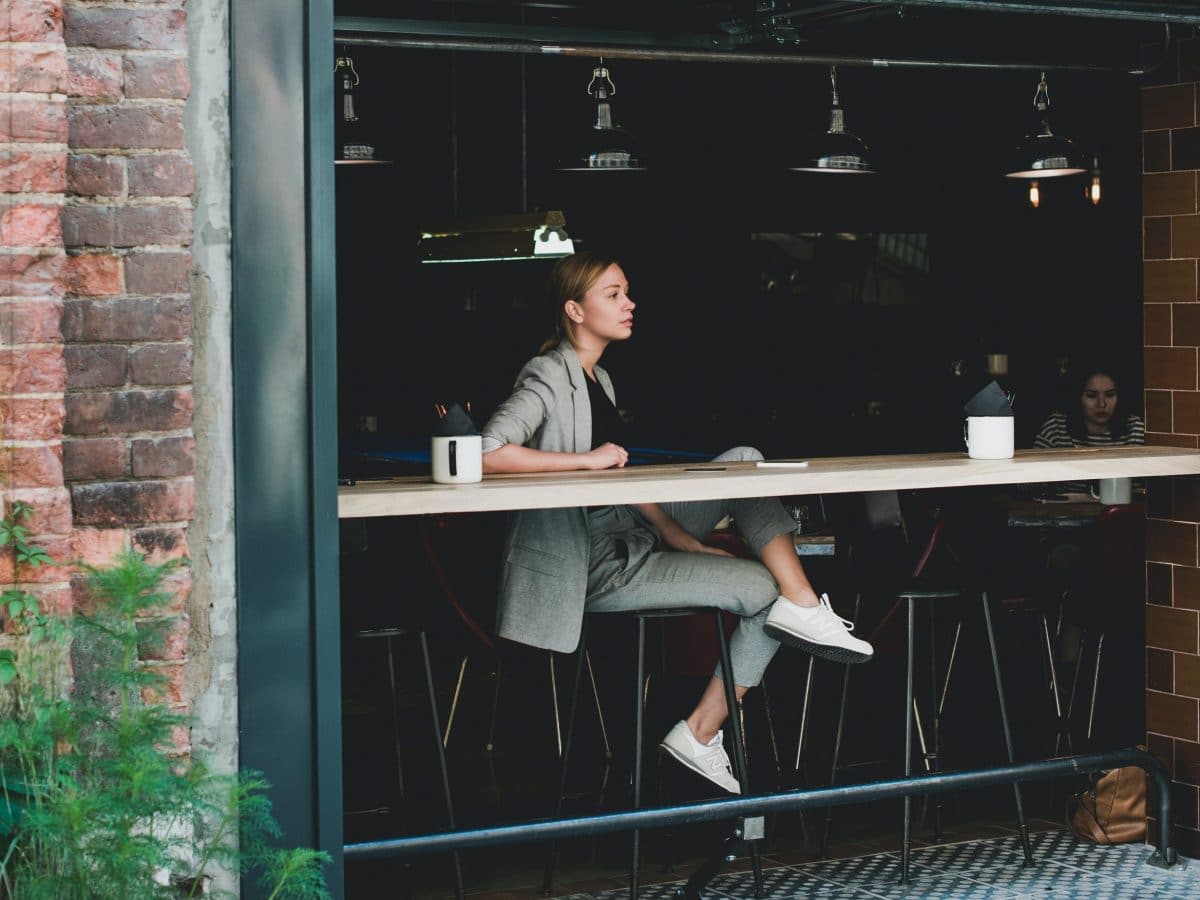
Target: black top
{"x":606,"y":422}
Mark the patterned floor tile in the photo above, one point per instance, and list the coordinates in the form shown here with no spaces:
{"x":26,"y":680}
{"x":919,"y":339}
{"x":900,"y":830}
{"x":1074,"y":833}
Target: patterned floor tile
{"x":943,"y":887}
{"x":665,"y":891}
{"x":778,"y":884}
{"x":973,"y":856}
{"x":1119,"y":890}
{"x":881,"y":869}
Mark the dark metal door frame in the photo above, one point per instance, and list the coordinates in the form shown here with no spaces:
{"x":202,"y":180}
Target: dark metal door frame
{"x":285,"y":414}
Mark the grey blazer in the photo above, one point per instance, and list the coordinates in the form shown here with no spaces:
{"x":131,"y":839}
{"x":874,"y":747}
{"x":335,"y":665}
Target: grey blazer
{"x":543,"y":584}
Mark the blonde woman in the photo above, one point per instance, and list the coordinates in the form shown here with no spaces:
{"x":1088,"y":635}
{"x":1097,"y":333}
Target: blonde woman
{"x":560,"y":563}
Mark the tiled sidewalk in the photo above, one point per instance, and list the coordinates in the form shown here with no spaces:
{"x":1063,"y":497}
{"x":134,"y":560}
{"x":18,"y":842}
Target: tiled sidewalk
{"x":1065,"y":869}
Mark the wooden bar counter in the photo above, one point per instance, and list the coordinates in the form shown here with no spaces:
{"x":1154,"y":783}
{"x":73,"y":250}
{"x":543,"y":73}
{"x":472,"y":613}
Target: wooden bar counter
{"x":706,"y":481}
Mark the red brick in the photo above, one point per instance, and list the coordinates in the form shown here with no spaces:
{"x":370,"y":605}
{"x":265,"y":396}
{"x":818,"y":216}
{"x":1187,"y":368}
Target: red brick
{"x":172,"y":642}
{"x":93,"y":275}
{"x":88,"y":225}
{"x":29,"y":275}
{"x":34,"y":370}
{"x":1170,"y":368}
{"x":29,"y":172}
{"x":161,"y":364}
{"x":35,"y":70}
{"x":92,"y":74}
{"x":31,"y":419}
{"x":56,"y":600}
{"x":127,"y":502}
{"x":126,"y":29}
{"x":156,"y":77}
{"x":161,"y":175}
{"x":158,"y":127}
{"x":95,"y":176}
{"x":171,"y":691}
{"x":121,"y":412}
{"x":162,"y":543}
{"x":30,"y":225}
{"x":31,"y":321}
{"x":1154,"y":439}
{"x":127,"y":320}
{"x":33,"y":121}
{"x":37,"y":466}
{"x":100,"y":458}
{"x":164,"y":458}
{"x":158,"y":272}
{"x":51,"y":509}
{"x":31,"y":21}
{"x":96,"y":365}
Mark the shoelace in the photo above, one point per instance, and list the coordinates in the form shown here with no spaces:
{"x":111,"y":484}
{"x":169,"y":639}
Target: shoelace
{"x":849,"y":626}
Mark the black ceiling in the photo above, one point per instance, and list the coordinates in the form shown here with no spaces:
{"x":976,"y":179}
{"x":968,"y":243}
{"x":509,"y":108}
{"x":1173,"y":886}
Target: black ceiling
{"x":1119,"y":34}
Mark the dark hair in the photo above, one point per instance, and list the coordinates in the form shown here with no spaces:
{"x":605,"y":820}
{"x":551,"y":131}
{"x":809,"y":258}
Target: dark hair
{"x":1076,"y":427}
{"x":570,"y":280}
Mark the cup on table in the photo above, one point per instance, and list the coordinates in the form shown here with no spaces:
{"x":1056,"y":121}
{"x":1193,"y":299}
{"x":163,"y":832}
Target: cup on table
{"x":1113,"y":491}
{"x":989,"y":437}
{"x":457,"y":459}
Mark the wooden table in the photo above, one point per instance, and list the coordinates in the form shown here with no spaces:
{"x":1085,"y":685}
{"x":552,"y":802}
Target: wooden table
{"x":847,"y":474}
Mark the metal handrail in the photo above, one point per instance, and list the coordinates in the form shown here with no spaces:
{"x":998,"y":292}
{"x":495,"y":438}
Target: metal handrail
{"x":835,"y":795}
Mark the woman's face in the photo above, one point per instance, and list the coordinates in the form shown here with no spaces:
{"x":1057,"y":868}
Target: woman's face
{"x":606,"y":310}
{"x":1099,"y":402}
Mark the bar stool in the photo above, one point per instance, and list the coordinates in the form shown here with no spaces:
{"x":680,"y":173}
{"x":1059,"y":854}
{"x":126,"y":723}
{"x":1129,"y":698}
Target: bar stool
{"x":884,"y":511}
{"x":739,"y":758}
{"x":389,"y":634}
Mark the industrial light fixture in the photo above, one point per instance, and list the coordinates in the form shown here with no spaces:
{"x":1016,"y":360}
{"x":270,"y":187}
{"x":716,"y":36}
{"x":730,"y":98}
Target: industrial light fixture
{"x":1035,"y":195}
{"x":608,"y":147}
{"x":1044,"y":154}
{"x":537,"y":235}
{"x":839,"y":152}
{"x":352,"y":146}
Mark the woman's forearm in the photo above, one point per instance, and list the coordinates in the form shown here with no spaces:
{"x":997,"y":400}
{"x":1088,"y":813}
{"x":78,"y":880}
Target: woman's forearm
{"x":673,"y":534}
{"x":512,"y":459}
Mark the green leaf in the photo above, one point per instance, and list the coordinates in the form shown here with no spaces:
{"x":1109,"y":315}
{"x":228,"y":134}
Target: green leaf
{"x":8,"y":672}
{"x":16,"y":606}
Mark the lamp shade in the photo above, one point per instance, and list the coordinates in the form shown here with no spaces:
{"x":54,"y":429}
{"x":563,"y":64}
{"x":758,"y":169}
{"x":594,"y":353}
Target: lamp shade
{"x":1046,"y":155}
{"x":539,"y":235}
{"x":838,"y":152}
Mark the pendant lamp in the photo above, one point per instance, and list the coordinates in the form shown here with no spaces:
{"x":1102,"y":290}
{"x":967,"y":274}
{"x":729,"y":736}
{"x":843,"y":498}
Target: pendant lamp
{"x":608,"y":147}
{"x":838,"y":152}
{"x":1044,"y":154}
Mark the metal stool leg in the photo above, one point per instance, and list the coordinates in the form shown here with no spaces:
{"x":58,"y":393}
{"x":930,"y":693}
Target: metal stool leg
{"x":639,"y":699}
{"x":599,"y":709}
{"x":1095,"y":687}
{"x":739,"y":748}
{"x":462,"y":671}
{"x":906,"y":843}
{"x":491,"y":740}
{"x":1008,"y":745}
{"x":552,"y":859}
{"x":935,"y":729}
{"x":391,"y":662}
{"x":441,"y":757}
{"x":837,"y":740}
{"x":1062,"y":731}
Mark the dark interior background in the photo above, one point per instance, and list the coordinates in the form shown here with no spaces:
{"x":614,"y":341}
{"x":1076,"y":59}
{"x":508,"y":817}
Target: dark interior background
{"x":824,"y":347}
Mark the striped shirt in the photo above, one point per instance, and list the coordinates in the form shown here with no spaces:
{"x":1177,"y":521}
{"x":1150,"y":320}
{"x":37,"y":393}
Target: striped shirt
{"x":1054,"y":434}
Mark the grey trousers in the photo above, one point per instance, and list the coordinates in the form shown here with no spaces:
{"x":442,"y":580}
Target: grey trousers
{"x":627,"y":572}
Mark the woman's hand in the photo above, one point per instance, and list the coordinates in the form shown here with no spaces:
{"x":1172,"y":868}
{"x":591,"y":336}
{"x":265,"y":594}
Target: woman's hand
{"x":606,"y":456}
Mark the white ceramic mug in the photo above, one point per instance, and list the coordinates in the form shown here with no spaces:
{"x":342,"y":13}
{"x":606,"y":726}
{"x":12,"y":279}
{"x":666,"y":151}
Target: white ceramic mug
{"x":458,"y":459}
{"x":1114,"y":491}
{"x":989,"y":437}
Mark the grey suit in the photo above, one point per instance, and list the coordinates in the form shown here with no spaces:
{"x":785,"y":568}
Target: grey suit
{"x":559,"y":562}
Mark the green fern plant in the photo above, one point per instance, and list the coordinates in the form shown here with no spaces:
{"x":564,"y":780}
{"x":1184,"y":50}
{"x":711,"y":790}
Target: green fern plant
{"x":94,"y":802}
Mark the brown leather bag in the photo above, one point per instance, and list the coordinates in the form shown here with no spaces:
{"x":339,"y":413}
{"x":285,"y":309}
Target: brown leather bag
{"x":1113,"y":809}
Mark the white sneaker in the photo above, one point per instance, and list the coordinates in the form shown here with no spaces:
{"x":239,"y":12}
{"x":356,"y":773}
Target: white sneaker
{"x":817,"y":630}
{"x":709,"y":760}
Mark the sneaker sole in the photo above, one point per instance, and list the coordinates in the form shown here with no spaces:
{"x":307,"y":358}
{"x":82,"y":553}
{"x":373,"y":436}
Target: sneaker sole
{"x":683,"y":761}
{"x":821,"y":651}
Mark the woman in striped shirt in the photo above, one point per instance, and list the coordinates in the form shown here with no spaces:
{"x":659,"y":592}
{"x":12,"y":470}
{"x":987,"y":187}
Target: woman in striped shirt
{"x":1095,"y":422}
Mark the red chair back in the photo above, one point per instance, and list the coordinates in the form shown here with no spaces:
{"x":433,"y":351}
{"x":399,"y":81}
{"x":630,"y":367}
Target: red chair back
{"x":461,"y":552}
{"x":1120,"y":565}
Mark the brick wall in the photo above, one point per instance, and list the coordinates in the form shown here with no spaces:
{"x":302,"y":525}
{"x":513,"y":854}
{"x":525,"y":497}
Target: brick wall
{"x":1171,"y":249}
{"x":97,"y":318}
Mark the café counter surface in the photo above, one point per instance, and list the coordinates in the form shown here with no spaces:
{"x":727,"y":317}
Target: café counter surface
{"x":707,"y":481}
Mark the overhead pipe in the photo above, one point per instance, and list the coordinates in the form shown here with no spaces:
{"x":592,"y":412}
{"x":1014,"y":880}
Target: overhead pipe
{"x":1163,"y":11}
{"x":658,"y":54}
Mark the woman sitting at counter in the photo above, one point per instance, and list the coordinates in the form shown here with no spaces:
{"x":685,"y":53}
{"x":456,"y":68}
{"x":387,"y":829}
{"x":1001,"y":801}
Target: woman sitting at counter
{"x":1095,"y":421}
{"x":561,"y":563}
